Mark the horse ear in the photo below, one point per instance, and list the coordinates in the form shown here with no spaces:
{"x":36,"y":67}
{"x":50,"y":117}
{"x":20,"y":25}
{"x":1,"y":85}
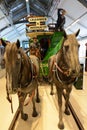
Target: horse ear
{"x":18,"y":43}
{"x":3,"y":42}
{"x":64,"y":34}
{"x":77,"y":33}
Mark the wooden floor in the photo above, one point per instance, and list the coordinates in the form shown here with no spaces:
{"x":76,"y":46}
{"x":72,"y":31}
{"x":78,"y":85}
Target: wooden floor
{"x":47,"y":109}
{"x":6,"y":115}
{"x":48,"y":114}
{"x":79,"y":101}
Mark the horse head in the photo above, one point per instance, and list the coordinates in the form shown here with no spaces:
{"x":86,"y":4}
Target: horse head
{"x":13,"y":64}
{"x":70,"y":53}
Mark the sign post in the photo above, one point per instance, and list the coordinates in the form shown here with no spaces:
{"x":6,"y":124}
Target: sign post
{"x":37,"y":23}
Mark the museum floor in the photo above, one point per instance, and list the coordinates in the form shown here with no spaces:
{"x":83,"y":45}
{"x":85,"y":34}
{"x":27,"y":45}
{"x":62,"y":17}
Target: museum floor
{"x":48,"y":110}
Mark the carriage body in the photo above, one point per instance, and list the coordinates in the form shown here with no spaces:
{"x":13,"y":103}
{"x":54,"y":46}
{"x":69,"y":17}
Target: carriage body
{"x":50,"y":44}
{"x":50,"y":40}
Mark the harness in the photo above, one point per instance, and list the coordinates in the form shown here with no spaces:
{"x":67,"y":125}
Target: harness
{"x":33,"y":73}
{"x":28,"y":84}
{"x":58,"y":69}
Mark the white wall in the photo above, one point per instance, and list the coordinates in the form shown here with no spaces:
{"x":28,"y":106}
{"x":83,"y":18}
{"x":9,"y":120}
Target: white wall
{"x":82,"y":55}
{"x":21,"y":37}
{"x":82,"y":51}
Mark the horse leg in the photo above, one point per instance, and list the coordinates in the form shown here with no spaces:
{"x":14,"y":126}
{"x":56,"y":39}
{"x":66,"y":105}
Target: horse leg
{"x":21,"y":97}
{"x":37,"y":95}
{"x":59,"y":93}
{"x":67,"y":95}
{"x":50,"y":75}
{"x":51,"y":93}
{"x":8,"y":97}
{"x":34,"y":114}
{"x":7,"y":93}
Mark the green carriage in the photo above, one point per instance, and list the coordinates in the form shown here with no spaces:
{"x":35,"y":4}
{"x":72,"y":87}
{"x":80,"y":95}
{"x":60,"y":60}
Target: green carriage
{"x":49,"y":40}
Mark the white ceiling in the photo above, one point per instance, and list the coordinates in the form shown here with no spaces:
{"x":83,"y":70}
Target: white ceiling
{"x":76,"y":18}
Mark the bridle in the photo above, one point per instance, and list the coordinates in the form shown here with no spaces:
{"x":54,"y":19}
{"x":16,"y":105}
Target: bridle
{"x":68,"y":78}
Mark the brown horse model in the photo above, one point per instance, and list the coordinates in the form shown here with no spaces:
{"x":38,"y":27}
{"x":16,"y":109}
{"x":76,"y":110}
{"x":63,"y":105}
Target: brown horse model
{"x":64,"y":68}
{"x":21,"y":75}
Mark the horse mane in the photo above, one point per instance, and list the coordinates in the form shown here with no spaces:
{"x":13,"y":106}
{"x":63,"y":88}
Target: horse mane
{"x":24,"y":56}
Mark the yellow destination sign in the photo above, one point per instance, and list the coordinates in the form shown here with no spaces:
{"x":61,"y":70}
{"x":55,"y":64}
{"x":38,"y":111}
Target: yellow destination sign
{"x":42,"y":27}
{"x":35,"y":19}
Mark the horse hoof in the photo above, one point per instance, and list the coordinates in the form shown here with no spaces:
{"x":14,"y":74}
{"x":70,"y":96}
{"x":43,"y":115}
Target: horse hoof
{"x":67,"y":112}
{"x":38,"y":100}
{"x":34,"y":114}
{"x":24,"y":117}
{"x":61,"y":126}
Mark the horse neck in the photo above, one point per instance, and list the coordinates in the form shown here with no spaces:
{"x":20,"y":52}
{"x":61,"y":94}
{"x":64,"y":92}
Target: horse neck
{"x":26,"y":73}
{"x":62,"y":58}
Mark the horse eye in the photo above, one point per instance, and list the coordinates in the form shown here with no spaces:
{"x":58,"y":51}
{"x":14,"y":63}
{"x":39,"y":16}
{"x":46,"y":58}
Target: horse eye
{"x":66,"y":48}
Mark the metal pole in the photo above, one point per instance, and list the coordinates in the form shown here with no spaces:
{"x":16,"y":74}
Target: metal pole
{"x":28,"y":7}
{"x":86,"y":59}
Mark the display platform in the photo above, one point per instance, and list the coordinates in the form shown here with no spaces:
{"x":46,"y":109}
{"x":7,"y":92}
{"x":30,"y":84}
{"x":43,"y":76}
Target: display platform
{"x":47,"y":110}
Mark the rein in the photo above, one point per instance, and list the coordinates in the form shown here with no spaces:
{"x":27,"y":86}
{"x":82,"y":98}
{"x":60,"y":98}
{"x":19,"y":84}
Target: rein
{"x":63,"y":72}
{"x":58,"y":68}
{"x":66,"y":73}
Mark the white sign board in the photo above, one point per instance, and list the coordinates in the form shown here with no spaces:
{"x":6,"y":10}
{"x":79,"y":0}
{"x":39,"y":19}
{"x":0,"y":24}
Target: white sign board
{"x":35,"y":19}
{"x":42,"y":27}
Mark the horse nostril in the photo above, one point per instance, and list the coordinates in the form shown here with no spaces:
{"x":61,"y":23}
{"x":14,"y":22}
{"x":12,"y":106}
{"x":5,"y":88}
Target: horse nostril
{"x":73,"y":71}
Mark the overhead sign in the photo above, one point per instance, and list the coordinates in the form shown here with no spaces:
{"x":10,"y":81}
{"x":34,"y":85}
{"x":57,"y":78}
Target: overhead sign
{"x":35,"y":19}
{"x":37,"y":23}
{"x":42,"y":27}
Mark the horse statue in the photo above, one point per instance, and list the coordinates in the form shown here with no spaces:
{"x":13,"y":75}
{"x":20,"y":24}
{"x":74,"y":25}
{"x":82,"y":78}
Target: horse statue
{"x":22,"y":74}
{"x":64,"y":68}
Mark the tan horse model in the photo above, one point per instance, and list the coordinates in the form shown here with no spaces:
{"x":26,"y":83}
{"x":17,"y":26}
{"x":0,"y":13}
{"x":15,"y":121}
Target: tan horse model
{"x":64,"y":68}
{"x":21,"y":75}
